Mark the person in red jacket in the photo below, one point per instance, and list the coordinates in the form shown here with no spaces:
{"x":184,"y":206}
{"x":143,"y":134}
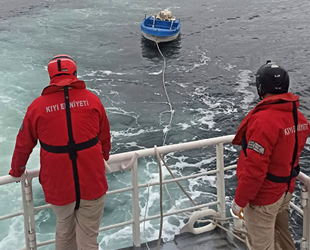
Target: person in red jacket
{"x":72,"y":127}
{"x":272,"y":136}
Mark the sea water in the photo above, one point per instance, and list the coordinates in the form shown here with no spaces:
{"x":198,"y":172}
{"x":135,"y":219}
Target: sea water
{"x":209,"y":78}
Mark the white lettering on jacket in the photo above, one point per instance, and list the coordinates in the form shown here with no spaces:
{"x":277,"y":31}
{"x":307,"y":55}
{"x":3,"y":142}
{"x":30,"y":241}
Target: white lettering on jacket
{"x":300,"y":127}
{"x":61,"y":106}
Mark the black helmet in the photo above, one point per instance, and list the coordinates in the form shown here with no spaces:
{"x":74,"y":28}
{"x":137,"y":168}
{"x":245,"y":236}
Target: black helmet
{"x":271,"y":78}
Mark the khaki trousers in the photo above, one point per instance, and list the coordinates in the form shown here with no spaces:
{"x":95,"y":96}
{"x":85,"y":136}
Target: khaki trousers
{"x":268,"y":226}
{"x":78,"y":229}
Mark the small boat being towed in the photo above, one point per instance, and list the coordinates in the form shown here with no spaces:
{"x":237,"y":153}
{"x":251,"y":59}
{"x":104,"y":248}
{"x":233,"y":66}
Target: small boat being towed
{"x":162,"y":27}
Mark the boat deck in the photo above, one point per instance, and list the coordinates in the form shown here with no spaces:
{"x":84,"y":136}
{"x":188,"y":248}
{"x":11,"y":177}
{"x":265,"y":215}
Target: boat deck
{"x":216,"y":239}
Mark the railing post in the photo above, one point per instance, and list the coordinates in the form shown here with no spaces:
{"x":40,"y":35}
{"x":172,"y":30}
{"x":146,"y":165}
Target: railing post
{"x":135,"y":205}
{"x":28,"y":212}
{"x":32,"y":228}
{"x":305,"y":203}
{"x":220,"y":182}
{"x":25,"y":213}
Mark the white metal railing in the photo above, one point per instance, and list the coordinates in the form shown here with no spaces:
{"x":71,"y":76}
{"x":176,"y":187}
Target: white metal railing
{"x":129,"y":161}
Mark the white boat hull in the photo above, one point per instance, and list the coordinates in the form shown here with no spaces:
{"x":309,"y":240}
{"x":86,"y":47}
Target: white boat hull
{"x":160,"y":39}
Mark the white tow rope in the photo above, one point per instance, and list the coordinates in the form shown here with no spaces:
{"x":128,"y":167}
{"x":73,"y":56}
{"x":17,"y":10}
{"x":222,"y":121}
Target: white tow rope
{"x":166,"y":130}
{"x":168,"y":99}
{"x":164,"y":141}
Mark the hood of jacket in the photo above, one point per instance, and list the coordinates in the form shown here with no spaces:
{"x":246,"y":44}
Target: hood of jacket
{"x":281,"y":99}
{"x":58,"y":82}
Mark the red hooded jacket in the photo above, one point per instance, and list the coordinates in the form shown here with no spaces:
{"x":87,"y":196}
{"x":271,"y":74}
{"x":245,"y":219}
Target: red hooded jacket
{"x":269,"y":130}
{"x":46,"y":120}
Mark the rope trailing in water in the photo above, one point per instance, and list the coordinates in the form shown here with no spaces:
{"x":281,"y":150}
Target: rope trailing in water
{"x":170,"y":172}
{"x":165,"y":89}
{"x":164,"y":141}
{"x":158,"y":157}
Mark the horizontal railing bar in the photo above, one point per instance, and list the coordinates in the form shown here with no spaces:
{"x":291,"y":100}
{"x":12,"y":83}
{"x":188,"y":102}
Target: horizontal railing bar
{"x":304,"y":179}
{"x":177,"y":179}
{"x":38,"y":208}
{"x":171,"y":148}
{"x":298,"y":209}
{"x":34,"y":173}
{"x":116,"y":158}
{"x":119,"y":190}
{"x":125,"y":223}
{"x":180,"y":211}
{"x":4,"y":217}
{"x":44,"y":243}
{"x":7,"y":179}
{"x":230,"y":167}
{"x":169,"y":181}
{"x":185,"y":177}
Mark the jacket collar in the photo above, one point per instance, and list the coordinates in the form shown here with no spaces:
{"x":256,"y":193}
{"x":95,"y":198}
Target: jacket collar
{"x":281,"y":99}
{"x":59,"y":82}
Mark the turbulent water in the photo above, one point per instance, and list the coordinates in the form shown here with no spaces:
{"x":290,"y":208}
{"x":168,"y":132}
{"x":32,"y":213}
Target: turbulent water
{"x":209,"y":79}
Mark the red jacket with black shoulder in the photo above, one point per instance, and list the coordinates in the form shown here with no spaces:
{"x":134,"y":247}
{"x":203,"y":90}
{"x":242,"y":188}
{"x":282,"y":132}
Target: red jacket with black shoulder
{"x":269,"y":132}
{"x":45,"y":120}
